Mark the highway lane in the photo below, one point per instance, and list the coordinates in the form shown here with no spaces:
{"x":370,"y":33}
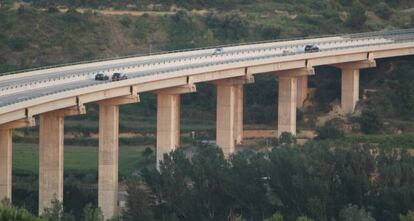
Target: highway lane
{"x":6,"y":85}
{"x":202,"y":54}
{"x":30,"y":94}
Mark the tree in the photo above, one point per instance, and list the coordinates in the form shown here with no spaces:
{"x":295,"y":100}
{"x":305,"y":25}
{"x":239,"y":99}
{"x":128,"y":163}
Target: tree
{"x":148,"y":154}
{"x":353,"y":213}
{"x":304,"y":218}
{"x":329,"y":132}
{"x":10,"y":213}
{"x":92,"y":214}
{"x":287,"y":138}
{"x":275,"y":217}
{"x":383,"y":10}
{"x":412,"y":20}
{"x":56,"y":212}
{"x":408,"y":217}
{"x":138,"y":203}
{"x":370,"y":121}
{"x":357,"y":17}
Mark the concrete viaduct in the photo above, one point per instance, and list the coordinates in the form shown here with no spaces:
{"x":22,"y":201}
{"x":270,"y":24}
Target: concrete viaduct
{"x":56,"y":92}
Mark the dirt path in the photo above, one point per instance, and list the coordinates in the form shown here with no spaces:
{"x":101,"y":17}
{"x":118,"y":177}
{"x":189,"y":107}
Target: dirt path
{"x":112,"y":12}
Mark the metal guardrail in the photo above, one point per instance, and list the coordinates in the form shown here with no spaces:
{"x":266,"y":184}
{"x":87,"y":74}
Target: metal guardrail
{"x":356,"y":35}
{"x":188,"y":67}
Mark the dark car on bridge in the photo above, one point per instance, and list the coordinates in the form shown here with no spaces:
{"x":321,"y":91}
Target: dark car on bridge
{"x":310,"y":48}
{"x":101,"y":77}
{"x":119,"y":76}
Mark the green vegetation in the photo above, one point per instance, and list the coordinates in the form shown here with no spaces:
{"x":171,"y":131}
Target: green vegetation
{"x":335,"y":176}
{"x":408,"y":217}
{"x":9,"y":212}
{"x":77,"y":159}
{"x":322,"y":182}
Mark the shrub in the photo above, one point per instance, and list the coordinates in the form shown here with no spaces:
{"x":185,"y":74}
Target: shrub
{"x":11,"y":213}
{"x":383,"y":10}
{"x":304,"y":218}
{"x":412,"y":20}
{"x":329,"y":132}
{"x":357,"y":16}
{"x":408,"y":217}
{"x":92,"y":214}
{"x":125,"y":21}
{"x":353,"y":213}
{"x":275,"y":217}
{"x":287,"y":138}
{"x":52,"y":9}
{"x":370,"y":121}
{"x":17,"y":43}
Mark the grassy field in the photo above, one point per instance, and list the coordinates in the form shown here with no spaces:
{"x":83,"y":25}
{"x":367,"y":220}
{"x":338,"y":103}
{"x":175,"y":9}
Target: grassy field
{"x":77,"y":159}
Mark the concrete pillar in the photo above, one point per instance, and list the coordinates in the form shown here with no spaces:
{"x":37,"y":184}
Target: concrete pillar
{"x":302,"y":92}
{"x":51,"y":138}
{"x":6,"y":139}
{"x":287,"y":105}
{"x":350,"y":82}
{"x":238,"y":113}
{"x":5,"y":163}
{"x":225,"y":117}
{"x":349,"y":89}
{"x":108,"y":159}
{"x":168,"y":124}
{"x":109,"y":153}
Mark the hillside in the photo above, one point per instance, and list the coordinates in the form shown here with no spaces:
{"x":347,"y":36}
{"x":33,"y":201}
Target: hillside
{"x":39,"y":34}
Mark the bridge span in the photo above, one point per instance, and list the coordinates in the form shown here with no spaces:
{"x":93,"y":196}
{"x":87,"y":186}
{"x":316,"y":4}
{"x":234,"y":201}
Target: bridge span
{"x":56,"y":92}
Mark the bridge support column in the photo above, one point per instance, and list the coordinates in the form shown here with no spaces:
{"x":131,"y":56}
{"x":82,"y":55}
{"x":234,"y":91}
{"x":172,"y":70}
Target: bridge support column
{"x":238,"y":113}
{"x":229,"y":119}
{"x":6,"y":139}
{"x":288,"y":97}
{"x":350,"y":83}
{"x":51,"y":150}
{"x":168,"y":124}
{"x":5,"y":163}
{"x":109,"y":154}
{"x":229,"y":116}
{"x":226,"y":94}
{"x":286,"y":121}
{"x":168,"y":119}
{"x":349,"y":89}
{"x":302,"y":92}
